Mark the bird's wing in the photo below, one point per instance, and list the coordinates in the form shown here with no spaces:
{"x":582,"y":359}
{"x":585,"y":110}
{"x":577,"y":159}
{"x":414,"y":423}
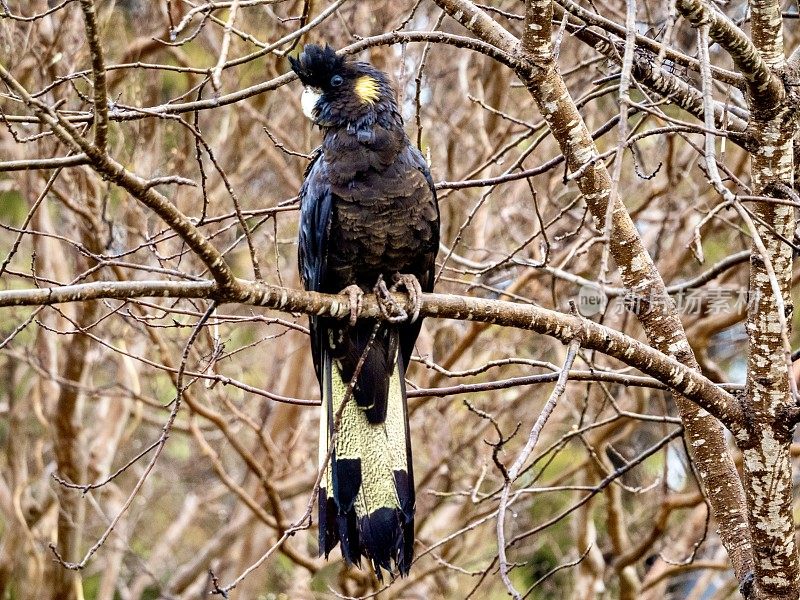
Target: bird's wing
{"x":316,"y":202}
{"x":419,"y":162}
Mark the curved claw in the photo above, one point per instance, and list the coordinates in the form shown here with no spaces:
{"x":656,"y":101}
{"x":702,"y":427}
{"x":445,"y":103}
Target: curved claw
{"x":390,"y":309}
{"x":414,"y":290}
{"x":355,"y":296}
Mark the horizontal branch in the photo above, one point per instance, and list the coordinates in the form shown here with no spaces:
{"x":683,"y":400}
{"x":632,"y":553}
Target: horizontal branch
{"x":523,"y":380}
{"x":108,"y":290}
{"x":44,"y":163}
{"x":564,"y":327}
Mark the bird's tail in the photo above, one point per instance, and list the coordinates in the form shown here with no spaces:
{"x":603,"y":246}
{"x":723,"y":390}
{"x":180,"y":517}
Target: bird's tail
{"x":366,"y":496}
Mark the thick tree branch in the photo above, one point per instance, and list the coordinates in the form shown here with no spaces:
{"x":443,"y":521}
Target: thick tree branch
{"x":536,"y":34}
{"x":767,"y":28}
{"x":766,"y":88}
{"x":563,"y":327}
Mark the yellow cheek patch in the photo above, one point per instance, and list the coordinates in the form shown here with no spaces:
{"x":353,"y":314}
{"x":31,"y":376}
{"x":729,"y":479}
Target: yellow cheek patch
{"x":367,"y":89}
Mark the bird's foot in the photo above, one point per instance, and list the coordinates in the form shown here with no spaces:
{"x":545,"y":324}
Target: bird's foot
{"x":414,"y":291}
{"x":355,"y":296}
{"x":391,"y":310}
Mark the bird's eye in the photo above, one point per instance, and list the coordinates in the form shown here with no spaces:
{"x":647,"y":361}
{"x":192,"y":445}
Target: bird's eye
{"x":337,"y":80}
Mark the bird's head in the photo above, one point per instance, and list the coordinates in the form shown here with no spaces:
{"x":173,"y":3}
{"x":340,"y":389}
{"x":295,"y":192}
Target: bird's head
{"x":338,"y":91}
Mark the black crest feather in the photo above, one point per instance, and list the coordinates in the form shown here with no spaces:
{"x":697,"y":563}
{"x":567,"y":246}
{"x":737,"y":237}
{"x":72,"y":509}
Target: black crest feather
{"x":316,"y":65}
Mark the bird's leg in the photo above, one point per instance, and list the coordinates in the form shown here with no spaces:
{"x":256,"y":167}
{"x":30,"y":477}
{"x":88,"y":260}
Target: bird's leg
{"x":414,"y":290}
{"x":390,"y":309}
{"x":355,"y":296}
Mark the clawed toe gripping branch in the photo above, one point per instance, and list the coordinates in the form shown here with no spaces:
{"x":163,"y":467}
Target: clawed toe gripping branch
{"x":392,"y":310}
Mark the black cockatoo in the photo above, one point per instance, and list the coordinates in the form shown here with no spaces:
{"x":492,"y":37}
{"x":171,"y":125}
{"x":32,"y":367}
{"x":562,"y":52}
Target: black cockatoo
{"x":368,"y":214}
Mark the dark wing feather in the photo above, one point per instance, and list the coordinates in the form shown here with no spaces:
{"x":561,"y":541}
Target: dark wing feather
{"x":316,"y":205}
{"x":427,"y":271}
{"x":418,"y":161}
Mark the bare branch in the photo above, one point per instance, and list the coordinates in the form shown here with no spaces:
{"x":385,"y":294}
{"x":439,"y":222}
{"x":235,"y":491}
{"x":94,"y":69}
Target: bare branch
{"x":98,"y":75}
{"x":765,"y":87}
{"x":44,"y":163}
{"x":522,"y":457}
{"x":548,"y":322}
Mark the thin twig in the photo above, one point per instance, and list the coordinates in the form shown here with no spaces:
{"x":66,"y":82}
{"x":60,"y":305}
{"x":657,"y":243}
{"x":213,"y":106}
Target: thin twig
{"x":159,"y":447}
{"x":513,"y":472}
